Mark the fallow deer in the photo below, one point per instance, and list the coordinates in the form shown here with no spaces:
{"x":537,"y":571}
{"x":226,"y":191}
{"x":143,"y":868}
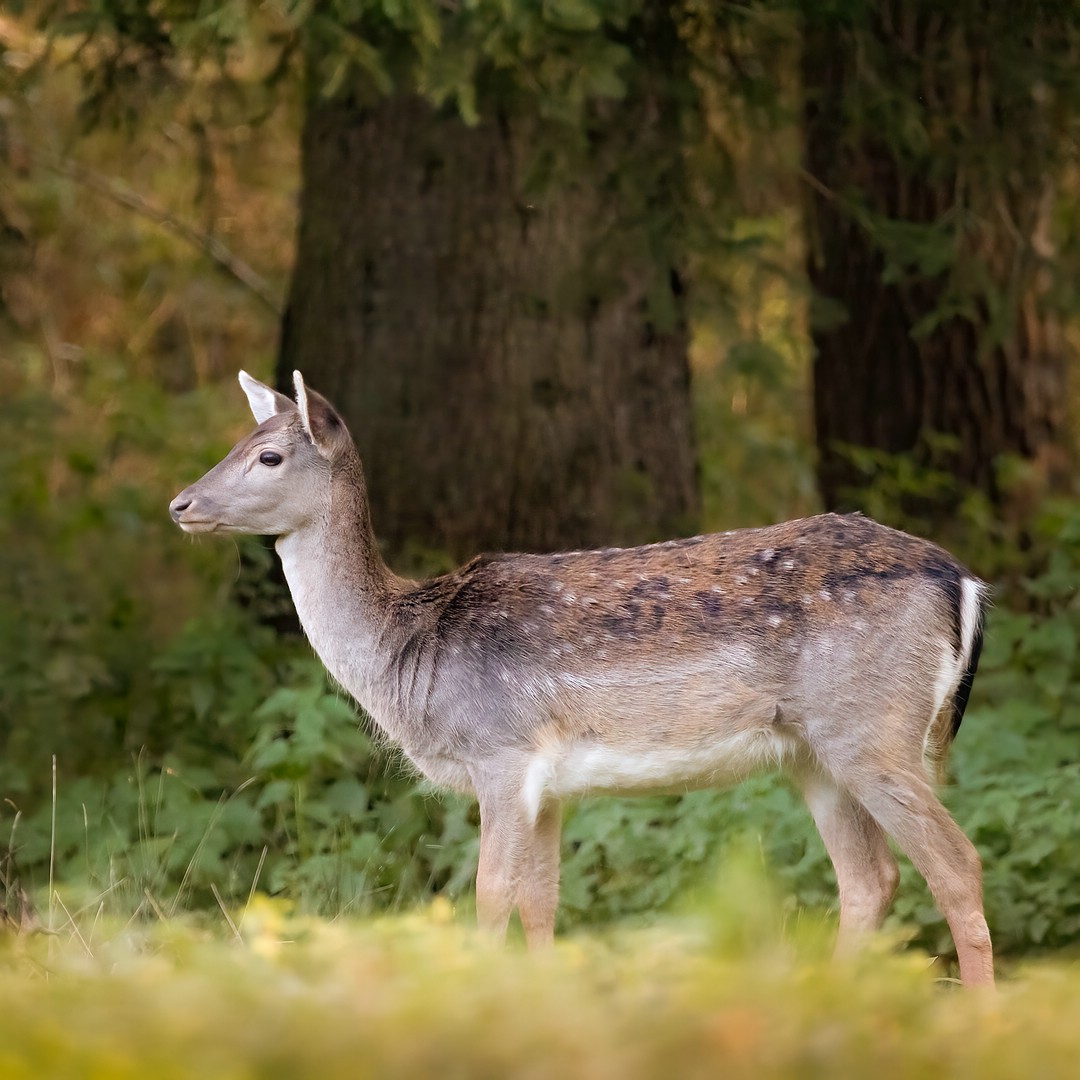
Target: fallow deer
{"x":832,"y":648}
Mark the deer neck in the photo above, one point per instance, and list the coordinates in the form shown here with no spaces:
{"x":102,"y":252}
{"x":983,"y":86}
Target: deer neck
{"x":342,"y":589}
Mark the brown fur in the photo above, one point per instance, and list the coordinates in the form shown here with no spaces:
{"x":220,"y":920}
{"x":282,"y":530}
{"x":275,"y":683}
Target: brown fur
{"x":807,"y":573}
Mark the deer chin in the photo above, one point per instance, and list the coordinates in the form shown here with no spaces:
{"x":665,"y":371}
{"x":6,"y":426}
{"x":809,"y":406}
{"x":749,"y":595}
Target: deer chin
{"x":207,"y":527}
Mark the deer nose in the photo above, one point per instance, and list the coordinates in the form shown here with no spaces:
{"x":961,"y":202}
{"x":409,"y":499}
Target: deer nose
{"x":179,"y":505}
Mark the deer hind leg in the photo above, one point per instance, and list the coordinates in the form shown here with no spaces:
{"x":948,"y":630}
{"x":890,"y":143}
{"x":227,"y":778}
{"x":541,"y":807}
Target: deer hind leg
{"x":866,"y":871}
{"x":907,"y":808}
{"x":538,"y":884}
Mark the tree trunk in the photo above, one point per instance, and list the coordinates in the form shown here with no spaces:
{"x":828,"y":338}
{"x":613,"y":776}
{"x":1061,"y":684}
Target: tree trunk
{"x":502,"y":358}
{"x":949,"y":351}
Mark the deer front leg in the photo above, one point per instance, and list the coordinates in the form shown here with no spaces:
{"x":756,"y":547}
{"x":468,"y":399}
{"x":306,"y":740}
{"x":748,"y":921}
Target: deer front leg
{"x":500,"y":865}
{"x":519,"y":863}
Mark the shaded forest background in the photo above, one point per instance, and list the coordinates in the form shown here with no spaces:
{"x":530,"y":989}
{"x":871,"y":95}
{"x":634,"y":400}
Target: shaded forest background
{"x":578,"y":272}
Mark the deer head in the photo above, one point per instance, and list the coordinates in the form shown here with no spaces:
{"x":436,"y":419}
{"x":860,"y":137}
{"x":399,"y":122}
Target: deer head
{"x":275,"y":480}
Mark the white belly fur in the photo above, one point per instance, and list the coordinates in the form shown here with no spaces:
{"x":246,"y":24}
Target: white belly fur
{"x":580,"y":768}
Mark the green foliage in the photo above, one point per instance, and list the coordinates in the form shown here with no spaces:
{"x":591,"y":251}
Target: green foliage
{"x":750,"y":370}
{"x":79,"y":554}
{"x":271,"y":787}
{"x":565,"y":54}
{"x":190,"y":750}
{"x":1017,"y":778}
{"x":940,"y":139}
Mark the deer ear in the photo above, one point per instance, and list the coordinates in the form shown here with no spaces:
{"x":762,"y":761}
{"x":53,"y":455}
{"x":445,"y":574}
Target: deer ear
{"x":264,"y":401}
{"x":323,"y":426}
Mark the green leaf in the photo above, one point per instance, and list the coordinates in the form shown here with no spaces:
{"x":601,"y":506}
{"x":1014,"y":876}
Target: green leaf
{"x":576,"y":15}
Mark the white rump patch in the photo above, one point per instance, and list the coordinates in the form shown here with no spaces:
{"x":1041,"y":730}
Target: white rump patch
{"x":952,"y":665}
{"x":950,"y":668}
{"x":970,"y":612}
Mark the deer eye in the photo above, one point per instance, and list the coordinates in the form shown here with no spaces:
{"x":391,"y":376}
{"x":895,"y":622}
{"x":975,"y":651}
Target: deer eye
{"x":270,"y":457}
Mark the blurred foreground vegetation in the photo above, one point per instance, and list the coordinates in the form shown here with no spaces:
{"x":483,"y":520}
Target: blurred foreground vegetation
{"x":739,"y":991}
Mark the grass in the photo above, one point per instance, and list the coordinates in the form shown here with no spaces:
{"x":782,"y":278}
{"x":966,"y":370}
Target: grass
{"x":739,"y":991}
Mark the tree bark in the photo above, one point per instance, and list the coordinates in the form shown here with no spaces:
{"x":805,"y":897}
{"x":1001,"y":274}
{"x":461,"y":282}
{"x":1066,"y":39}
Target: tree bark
{"x":513,"y":366}
{"x":917,"y":348}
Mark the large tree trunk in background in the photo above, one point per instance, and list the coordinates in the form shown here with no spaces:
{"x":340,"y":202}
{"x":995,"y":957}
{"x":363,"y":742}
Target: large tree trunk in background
{"x":894,"y":368}
{"x":498,"y":357}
